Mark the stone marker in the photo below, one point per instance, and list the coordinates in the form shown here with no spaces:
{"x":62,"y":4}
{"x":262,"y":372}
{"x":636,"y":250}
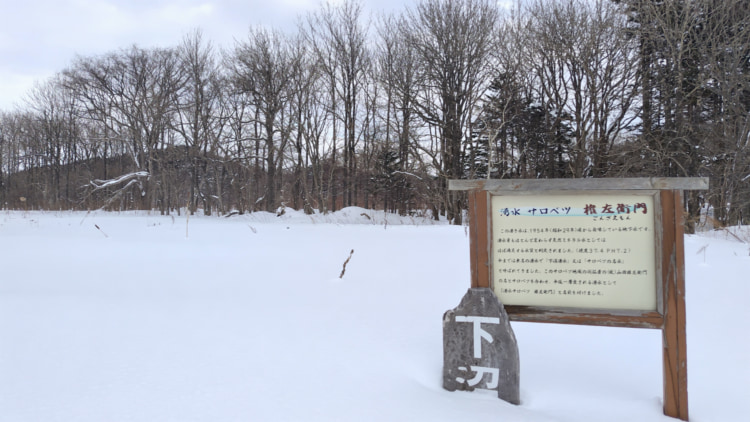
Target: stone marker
{"x":479,"y":347}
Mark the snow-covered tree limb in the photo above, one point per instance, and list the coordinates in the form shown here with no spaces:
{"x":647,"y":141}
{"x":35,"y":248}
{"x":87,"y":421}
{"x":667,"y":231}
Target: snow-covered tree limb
{"x":130,"y":178}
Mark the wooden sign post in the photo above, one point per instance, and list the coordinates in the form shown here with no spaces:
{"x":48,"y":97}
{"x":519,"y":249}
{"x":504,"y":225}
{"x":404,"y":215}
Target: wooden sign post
{"x":605,"y":252}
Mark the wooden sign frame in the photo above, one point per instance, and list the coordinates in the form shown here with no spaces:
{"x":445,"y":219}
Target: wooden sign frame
{"x":670,"y":265}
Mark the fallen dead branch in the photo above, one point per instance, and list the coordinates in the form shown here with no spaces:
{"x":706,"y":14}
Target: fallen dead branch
{"x":343,"y":270}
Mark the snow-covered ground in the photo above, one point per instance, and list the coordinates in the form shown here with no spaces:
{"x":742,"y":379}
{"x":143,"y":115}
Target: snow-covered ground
{"x":160,"y":318}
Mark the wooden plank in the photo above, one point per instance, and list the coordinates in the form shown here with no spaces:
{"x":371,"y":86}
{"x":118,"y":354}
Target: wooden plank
{"x":659,"y":252}
{"x":635,"y":183}
{"x":681,"y":306}
{"x":479,"y":238}
{"x":608,"y":319}
{"x":674,"y":340}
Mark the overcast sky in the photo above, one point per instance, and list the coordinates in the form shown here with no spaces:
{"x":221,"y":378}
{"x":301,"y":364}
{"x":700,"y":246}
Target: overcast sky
{"x":41,"y":37}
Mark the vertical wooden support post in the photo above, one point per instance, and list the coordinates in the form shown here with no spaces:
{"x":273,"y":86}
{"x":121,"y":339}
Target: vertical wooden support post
{"x":479,"y":238}
{"x":674,"y":340}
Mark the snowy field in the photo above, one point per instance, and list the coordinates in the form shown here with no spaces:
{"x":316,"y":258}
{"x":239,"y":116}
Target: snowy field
{"x":157,"y":318}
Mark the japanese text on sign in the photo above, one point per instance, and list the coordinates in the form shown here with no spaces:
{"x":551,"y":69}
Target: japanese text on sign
{"x":480,"y":334}
{"x":582,"y":251}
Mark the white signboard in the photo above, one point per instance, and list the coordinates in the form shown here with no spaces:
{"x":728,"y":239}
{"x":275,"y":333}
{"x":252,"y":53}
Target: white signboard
{"x":580,"y":251}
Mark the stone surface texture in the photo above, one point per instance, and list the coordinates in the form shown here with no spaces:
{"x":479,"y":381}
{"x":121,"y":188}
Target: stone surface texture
{"x":479,"y":347}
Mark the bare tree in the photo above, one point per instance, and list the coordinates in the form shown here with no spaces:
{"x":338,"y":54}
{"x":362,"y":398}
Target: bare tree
{"x":130,"y":95}
{"x":236,"y":147}
{"x":453,"y":42}
{"x":315,"y":123}
{"x":4,"y":143}
{"x":53,"y":125}
{"x":11,"y":134}
{"x":339,"y":41}
{"x":727,"y":101}
{"x":199,"y":119}
{"x":264,"y":67}
{"x":693,"y":63}
{"x":584,"y":70}
{"x":397,"y":73}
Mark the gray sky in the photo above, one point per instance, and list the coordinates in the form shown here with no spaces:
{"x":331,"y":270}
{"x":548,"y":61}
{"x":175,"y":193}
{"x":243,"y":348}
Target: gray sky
{"x":41,"y":37}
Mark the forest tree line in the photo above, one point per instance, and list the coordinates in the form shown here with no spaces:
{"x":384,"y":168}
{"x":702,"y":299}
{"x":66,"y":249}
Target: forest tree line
{"x":380,"y":111}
